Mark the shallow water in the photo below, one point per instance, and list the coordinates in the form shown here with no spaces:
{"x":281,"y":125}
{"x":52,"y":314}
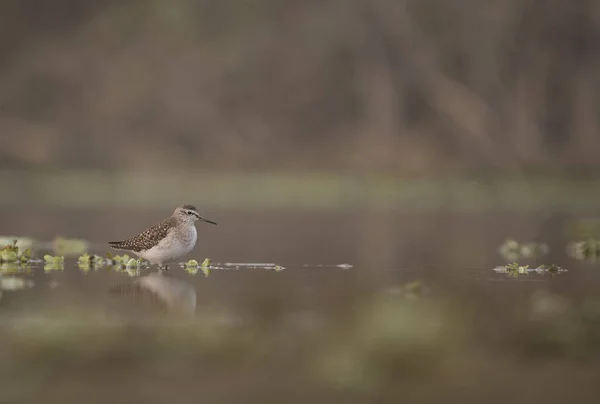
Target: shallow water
{"x":324,"y":255}
{"x":330,"y":308}
{"x":299,"y":287}
{"x":320,"y":255}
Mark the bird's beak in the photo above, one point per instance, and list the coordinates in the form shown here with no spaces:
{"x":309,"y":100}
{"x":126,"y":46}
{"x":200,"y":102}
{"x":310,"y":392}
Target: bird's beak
{"x":206,"y":220}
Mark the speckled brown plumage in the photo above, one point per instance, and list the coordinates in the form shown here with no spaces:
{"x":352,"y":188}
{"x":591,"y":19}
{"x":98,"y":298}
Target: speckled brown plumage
{"x":148,"y":238}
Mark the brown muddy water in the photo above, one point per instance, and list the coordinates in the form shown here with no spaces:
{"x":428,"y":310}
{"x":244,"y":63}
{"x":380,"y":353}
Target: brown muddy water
{"x":350,"y":307}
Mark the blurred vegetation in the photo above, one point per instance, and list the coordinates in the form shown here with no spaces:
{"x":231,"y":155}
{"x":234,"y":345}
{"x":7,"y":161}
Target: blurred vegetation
{"x":301,"y":191}
{"x":385,"y":345}
{"x":410,"y":86}
{"x":512,"y":250}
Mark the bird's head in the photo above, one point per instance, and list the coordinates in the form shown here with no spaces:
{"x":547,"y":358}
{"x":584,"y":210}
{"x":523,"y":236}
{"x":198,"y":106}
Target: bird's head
{"x":189,"y":213}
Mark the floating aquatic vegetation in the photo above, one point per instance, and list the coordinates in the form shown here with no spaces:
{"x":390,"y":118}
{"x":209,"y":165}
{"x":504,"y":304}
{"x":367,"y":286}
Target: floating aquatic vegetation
{"x":86,"y":262}
{"x":117,"y":260}
{"x":11,"y":253}
{"x":585,"y":250}
{"x":512,"y":250}
{"x":125,"y":263}
{"x":86,"y":259}
{"x":205,"y":265}
{"x":132,"y":263}
{"x":65,"y":246}
{"x":515,"y":269}
{"x":54,"y":263}
{"x":553,"y":269}
{"x":192,"y":267}
{"x":191,"y":263}
{"x":14,"y":259}
{"x":8,"y":254}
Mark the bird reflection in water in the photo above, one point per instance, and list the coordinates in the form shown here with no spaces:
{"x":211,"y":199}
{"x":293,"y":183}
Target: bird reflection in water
{"x":157,"y":292}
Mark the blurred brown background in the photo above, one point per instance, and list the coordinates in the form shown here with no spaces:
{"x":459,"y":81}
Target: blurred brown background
{"x":410,"y":87}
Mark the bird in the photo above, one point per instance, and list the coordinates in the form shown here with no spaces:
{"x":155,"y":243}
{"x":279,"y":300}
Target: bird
{"x":166,"y":241}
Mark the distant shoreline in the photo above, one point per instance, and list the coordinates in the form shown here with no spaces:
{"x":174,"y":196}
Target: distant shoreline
{"x":317,"y":191}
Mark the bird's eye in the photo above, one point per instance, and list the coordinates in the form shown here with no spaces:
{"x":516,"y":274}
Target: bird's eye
{"x":190,"y":212}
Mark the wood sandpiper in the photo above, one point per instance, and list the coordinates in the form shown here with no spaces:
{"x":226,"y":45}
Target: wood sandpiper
{"x":166,"y":241}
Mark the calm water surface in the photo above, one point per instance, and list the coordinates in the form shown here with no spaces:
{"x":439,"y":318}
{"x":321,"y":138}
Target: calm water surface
{"x":333,"y":268}
{"x":325,"y":257}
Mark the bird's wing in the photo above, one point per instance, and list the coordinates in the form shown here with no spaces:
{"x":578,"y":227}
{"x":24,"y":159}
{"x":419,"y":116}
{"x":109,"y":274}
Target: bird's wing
{"x":146,"y":239}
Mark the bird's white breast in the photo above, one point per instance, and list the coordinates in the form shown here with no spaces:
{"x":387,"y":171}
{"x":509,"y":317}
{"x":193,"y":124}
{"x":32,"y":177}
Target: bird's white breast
{"x":173,"y":247}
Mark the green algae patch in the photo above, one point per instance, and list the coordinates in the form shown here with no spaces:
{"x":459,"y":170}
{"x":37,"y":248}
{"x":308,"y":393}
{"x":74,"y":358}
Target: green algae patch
{"x":126,"y":264}
{"x":193,"y":267}
{"x":87,"y":262}
{"x":54,"y":263}
{"x":514,"y":269}
{"x":12,"y":253}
